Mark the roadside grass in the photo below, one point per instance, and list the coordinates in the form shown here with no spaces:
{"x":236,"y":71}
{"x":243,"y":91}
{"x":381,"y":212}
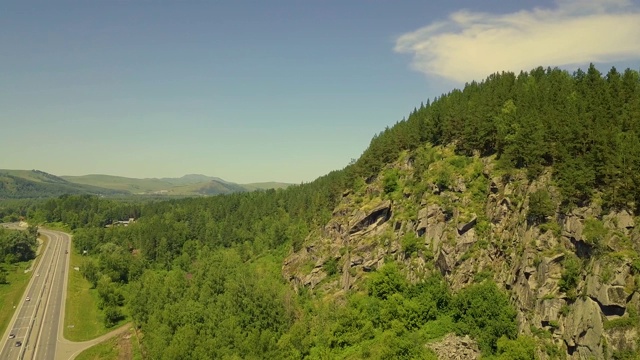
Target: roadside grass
{"x":57,"y":226}
{"x":124,"y":346}
{"x":107,"y":350}
{"x":83,"y":320}
{"x":11,"y":293}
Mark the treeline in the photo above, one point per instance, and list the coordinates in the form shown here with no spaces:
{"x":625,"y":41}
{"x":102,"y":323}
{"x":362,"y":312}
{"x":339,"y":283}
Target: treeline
{"x":17,"y":246}
{"x":586,"y":125}
{"x":83,"y":211}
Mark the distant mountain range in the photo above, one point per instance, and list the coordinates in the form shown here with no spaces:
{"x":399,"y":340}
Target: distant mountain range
{"x":16,"y":184}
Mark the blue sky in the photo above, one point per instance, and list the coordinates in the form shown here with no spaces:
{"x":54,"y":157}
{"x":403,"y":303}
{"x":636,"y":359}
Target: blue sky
{"x":283,"y":90}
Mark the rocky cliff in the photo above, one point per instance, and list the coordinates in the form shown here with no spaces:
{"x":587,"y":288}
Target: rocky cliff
{"x":573,"y":272}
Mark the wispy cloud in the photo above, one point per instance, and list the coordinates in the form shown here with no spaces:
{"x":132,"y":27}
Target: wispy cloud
{"x":469,"y":46}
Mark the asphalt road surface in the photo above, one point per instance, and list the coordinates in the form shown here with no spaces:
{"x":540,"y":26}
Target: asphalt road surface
{"x":33,"y":332}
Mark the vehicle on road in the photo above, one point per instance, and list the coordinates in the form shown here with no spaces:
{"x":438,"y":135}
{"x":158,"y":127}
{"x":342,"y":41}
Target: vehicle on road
{"x":11,"y":336}
{"x":18,"y":343}
{"x":28,"y":298}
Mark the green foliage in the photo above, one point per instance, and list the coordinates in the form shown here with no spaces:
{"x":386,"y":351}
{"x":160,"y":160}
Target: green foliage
{"x":624,"y":322}
{"x":482,"y":276}
{"x":635,"y":265}
{"x":552,"y":226}
{"x":331,"y":266}
{"x":570,"y":274}
{"x":387,"y":281}
{"x":112,"y":315}
{"x":483,"y":311}
{"x":606,"y":274}
{"x":540,"y":333}
{"x":594,"y":232}
{"x":626,"y":354}
{"x":521,"y":348}
{"x":17,"y":246}
{"x":390,"y":181}
{"x":540,"y":206}
{"x":444,"y":177}
{"x":410,"y":243}
{"x":89,"y":269}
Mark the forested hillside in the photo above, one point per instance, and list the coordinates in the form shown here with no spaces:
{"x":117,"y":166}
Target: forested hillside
{"x":504,"y":211}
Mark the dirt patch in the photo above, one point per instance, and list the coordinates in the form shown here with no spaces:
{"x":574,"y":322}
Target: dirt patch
{"x":125,"y":351}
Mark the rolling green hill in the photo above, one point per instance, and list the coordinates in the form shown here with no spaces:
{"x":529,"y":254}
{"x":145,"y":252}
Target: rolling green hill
{"x":188,"y":185}
{"x":131,"y":185}
{"x":15,"y":184}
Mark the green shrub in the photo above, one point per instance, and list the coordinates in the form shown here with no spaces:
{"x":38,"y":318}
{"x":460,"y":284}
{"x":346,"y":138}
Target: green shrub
{"x":459,"y":162}
{"x":390,"y":181}
{"x":409,"y":243}
{"x":522,"y":348}
{"x":387,"y":281}
{"x":570,"y":274}
{"x":331,"y":266}
{"x":540,"y":206}
{"x":594,"y":232}
{"x":552,"y":226}
{"x":482,"y":276}
{"x":484,"y":312}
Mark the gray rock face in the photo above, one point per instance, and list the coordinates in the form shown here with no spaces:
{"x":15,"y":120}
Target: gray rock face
{"x":432,"y":223}
{"x":526,"y":259}
{"x":459,"y":185}
{"x":583,"y":330}
{"x":464,"y":227}
{"x":621,"y":220}
{"x":453,"y":347}
{"x":375,"y":216}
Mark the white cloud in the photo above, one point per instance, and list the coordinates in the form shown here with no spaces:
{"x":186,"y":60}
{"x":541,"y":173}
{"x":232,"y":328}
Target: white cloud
{"x":470,"y":46}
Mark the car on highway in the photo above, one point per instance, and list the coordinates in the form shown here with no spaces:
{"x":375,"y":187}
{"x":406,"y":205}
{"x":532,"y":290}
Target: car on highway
{"x":11,"y":336}
{"x":18,"y":343}
{"x":28,"y":298}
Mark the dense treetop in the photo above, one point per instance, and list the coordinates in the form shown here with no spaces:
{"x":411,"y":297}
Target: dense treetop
{"x":586,"y":125}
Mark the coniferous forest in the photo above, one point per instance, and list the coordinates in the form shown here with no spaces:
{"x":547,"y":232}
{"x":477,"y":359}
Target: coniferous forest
{"x":202,"y":277}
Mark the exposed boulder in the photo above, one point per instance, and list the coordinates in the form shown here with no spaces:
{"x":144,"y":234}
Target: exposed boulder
{"x":584,"y":329}
{"x":376,"y":216}
{"x":611,"y":294}
{"x":431,"y":225}
{"x":459,"y":185}
{"x":465,"y":226}
{"x":453,"y":347}
{"x":621,"y":220}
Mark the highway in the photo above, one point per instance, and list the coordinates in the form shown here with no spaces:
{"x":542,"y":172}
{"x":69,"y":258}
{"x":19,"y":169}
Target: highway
{"x":34,"y":330}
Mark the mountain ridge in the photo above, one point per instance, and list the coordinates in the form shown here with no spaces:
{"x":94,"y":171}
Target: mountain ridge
{"x":37,"y":183}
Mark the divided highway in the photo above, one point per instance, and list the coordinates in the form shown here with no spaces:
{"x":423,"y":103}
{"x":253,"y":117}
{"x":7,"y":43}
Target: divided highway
{"x":34,"y":329}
